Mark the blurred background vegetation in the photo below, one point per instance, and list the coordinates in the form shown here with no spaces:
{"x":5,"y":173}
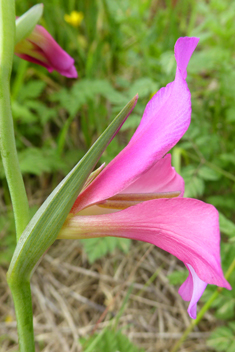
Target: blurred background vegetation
{"x":122,"y":47}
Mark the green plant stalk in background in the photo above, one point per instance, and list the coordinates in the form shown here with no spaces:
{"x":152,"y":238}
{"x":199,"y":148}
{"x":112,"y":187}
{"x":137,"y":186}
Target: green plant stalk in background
{"x":203,"y":310}
{"x":7,"y":139}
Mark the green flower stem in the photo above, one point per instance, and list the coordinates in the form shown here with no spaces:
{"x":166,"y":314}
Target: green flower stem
{"x":203,"y":310}
{"x":7,"y":138}
{"x":20,"y":290}
{"x":21,"y":293}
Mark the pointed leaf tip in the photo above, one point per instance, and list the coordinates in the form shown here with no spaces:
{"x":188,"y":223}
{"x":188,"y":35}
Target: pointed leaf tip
{"x":127,"y":110}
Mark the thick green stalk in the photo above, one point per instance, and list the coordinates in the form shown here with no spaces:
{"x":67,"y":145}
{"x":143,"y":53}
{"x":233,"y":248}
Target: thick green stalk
{"x":203,"y":310}
{"x":7,"y":138}
{"x":21,"y":293}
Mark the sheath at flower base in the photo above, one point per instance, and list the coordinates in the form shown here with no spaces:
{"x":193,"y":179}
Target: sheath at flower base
{"x":40,"y":48}
{"x":141,"y":181}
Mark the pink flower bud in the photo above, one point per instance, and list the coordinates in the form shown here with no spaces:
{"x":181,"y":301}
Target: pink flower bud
{"x":40,"y":48}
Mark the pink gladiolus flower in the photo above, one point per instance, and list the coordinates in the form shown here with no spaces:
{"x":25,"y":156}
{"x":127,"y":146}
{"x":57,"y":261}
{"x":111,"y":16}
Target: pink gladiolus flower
{"x":139,"y":195}
{"x":40,"y":48}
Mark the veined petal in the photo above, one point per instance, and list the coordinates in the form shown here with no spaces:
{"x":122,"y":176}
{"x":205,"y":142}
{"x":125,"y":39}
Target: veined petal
{"x":171,"y":105}
{"x":165,"y":120}
{"x":192,"y":290}
{"x":186,"y":228}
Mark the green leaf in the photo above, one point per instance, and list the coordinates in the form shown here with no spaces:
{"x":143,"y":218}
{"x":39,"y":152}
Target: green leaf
{"x":22,"y":113}
{"x":132,"y":122}
{"x":194,"y":185}
{"x":231,"y":347}
{"x":226,"y":311}
{"x":35,"y":161}
{"x":208,"y":174}
{"x":230,"y":115}
{"x":227,"y":201}
{"x":232,"y":325}
{"x":226,"y":226}
{"x":228,"y":158}
{"x":144,"y":87}
{"x":178,"y":277}
{"x":96,"y":248}
{"x":33,"y":89}
{"x":222,"y":339}
{"x":66,"y":100}
{"x":86,"y":90}
{"x":194,"y":188}
{"x":43,"y":229}
{"x":207,"y":59}
{"x":109,"y":341}
{"x":167,"y":61}
{"x":44,"y":113}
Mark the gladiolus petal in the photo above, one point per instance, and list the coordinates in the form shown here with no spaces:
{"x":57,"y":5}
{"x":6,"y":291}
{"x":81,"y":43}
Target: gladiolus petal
{"x":192,"y":290}
{"x":165,"y":120}
{"x":161,"y":177}
{"x":184,"y":227}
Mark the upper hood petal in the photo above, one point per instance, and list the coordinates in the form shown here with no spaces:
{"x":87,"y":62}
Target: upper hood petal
{"x":165,"y":120}
{"x":161,"y":177}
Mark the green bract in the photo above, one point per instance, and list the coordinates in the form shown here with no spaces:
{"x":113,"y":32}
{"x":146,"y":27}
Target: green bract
{"x":26,"y":23}
{"x":42,"y":230}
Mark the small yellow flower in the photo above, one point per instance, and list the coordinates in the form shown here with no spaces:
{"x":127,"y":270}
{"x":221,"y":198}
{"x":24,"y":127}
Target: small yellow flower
{"x":75,"y":18}
{"x":9,"y":319}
